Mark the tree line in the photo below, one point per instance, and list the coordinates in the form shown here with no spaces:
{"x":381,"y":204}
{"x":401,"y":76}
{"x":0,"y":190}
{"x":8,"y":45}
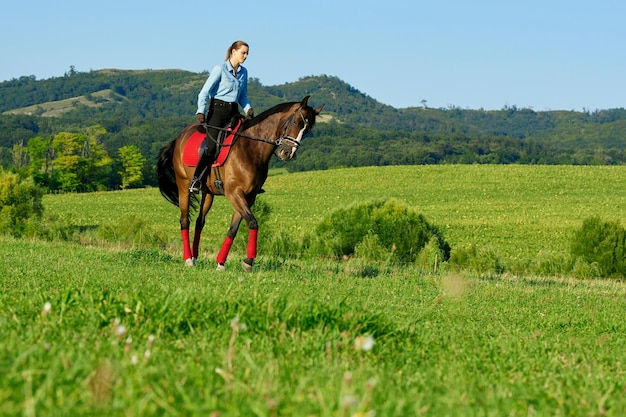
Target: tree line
{"x":110,"y":134}
{"x":336,"y":145}
{"x":78,"y":162}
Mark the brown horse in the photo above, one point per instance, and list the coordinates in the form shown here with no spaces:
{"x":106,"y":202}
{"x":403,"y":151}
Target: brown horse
{"x":240,"y":178}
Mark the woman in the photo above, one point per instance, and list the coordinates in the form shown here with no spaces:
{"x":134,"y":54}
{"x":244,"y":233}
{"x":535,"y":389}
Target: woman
{"x":224,"y":90}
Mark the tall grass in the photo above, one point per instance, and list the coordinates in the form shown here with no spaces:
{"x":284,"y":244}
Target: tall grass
{"x":90,"y":331}
{"x":126,"y":329}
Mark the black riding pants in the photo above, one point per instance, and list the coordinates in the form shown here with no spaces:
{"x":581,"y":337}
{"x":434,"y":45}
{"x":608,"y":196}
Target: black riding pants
{"x":219,"y":115}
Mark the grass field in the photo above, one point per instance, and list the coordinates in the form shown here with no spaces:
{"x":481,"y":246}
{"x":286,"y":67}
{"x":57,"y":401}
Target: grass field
{"x":97,"y":329}
{"x":519,"y":211}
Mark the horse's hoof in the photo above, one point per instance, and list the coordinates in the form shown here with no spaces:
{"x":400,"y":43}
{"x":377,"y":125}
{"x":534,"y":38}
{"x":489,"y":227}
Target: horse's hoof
{"x":190,"y":262}
{"x":221,"y":267}
{"x":246,"y":265}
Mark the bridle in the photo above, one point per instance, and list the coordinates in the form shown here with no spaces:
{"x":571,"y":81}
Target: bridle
{"x":294,"y":142}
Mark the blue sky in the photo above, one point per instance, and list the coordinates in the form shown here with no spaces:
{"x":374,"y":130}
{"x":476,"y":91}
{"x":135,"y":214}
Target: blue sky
{"x":545,"y":55}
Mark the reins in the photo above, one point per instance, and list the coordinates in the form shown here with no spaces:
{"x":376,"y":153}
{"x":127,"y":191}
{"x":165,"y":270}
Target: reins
{"x":225,"y":129}
{"x":276,"y":142}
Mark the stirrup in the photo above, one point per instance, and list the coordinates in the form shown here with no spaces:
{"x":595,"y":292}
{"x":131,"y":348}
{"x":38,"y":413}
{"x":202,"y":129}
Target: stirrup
{"x":195,"y":184}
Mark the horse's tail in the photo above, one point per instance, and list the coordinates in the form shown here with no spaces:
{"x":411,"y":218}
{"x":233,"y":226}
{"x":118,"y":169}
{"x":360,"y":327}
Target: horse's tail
{"x":166,"y":176}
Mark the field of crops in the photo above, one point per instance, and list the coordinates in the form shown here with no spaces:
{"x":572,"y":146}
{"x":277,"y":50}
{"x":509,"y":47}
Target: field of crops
{"x":117,"y":329}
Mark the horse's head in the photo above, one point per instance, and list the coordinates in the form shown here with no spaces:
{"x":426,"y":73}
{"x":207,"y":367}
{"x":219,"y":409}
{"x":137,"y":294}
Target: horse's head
{"x":294,"y":126}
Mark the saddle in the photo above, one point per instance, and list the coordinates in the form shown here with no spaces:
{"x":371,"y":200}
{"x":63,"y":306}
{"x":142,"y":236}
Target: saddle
{"x":191,"y":153}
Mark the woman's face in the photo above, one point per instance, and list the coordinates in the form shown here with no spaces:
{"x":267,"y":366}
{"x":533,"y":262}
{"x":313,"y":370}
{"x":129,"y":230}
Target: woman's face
{"x":238,"y":56}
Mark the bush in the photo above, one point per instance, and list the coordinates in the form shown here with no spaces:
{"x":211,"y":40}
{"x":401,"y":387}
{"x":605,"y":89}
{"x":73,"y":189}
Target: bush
{"x":20,"y":204}
{"x":551,"y":263}
{"x":430,"y":256}
{"x":477,"y":259}
{"x":370,"y":248}
{"x":602,"y":245}
{"x":134,"y":231}
{"x":52,"y":227}
{"x":378,"y":230}
{"x":281,"y":245}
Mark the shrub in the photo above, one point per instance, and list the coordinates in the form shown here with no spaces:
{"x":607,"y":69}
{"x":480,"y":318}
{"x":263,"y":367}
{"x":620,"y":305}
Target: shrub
{"x":550,"y":263}
{"x":477,"y":259}
{"x":371,"y":248}
{"x":281,"y":246}
{"x":20,"y":204}
{"x":54,"y":227}
{"x":601,"y":244}
{"x":132,"y":230}
{"x":582,"y":269}
{"x":380,"y":230}
{"x":430,"y":256}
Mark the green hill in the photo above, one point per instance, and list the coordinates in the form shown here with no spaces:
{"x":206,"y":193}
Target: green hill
{"x":148,"y":108}
{"x":172,"y":93}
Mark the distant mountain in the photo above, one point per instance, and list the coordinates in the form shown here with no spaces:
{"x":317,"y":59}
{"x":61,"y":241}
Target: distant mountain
{"x":149,"y":107}
{"x":173,"y":93}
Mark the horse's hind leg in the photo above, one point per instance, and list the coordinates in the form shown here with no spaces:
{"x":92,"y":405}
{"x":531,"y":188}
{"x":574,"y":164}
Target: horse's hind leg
{"x":205,"y":206}
{"x":184,"y":235}
{"x":184,"y":227}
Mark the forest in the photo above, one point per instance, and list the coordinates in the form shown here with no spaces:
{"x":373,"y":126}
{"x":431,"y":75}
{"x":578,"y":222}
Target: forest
{"x":102,"y":130}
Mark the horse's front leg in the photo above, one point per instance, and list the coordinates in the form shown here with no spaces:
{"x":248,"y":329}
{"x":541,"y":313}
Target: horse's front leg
{"x":228,"y":241}
{"x":205,"y":206}
{"x":242,"y":205}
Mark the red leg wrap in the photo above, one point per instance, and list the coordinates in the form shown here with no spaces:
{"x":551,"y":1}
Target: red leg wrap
{"x":184,"y":234}
{"x":196,"y":242}
{"x":223,"y":253}
{"x":252,"y":240}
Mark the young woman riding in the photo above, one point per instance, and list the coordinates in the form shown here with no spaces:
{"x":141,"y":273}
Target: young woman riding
{"x":224,"y":90}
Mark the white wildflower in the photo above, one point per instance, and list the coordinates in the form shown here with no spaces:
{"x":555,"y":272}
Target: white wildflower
{"x":47,"y":307}
{"x":364,"y":343}
{"x":120,"y":331}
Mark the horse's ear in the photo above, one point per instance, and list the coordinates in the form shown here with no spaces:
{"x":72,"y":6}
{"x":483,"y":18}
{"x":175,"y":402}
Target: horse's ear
{"x":305,"y":102}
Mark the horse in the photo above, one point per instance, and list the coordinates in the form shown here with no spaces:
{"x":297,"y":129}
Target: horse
{"x":278,"y":130}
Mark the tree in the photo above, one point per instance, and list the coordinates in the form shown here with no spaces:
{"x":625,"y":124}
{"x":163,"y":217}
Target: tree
{"x":98,"y":161}
{"x":20,"y":201}
{"x":67,"y":162}
{"x":132,"y":166}
{"x":40,"y":154}
{"x":20,"y":156}
{"x":81,"y":163}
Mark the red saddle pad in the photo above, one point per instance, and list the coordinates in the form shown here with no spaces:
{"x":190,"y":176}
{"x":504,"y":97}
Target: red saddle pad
{"x":190,"y":153}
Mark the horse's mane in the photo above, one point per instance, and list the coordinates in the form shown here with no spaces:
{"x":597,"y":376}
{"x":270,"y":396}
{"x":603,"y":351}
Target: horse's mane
{"x":279,"y":108}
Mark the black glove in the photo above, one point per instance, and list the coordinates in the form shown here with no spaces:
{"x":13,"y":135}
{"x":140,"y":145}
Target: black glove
{"x":200,"y":118}
{"x":250,"y":114}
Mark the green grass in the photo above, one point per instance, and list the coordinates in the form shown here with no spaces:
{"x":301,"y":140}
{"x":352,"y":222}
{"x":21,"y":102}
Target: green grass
{"x":520,"y":211}
{"x":287,"y":338}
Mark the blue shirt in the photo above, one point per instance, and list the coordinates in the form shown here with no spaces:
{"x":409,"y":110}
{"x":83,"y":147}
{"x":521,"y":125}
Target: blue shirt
{"x":224,"y":85}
